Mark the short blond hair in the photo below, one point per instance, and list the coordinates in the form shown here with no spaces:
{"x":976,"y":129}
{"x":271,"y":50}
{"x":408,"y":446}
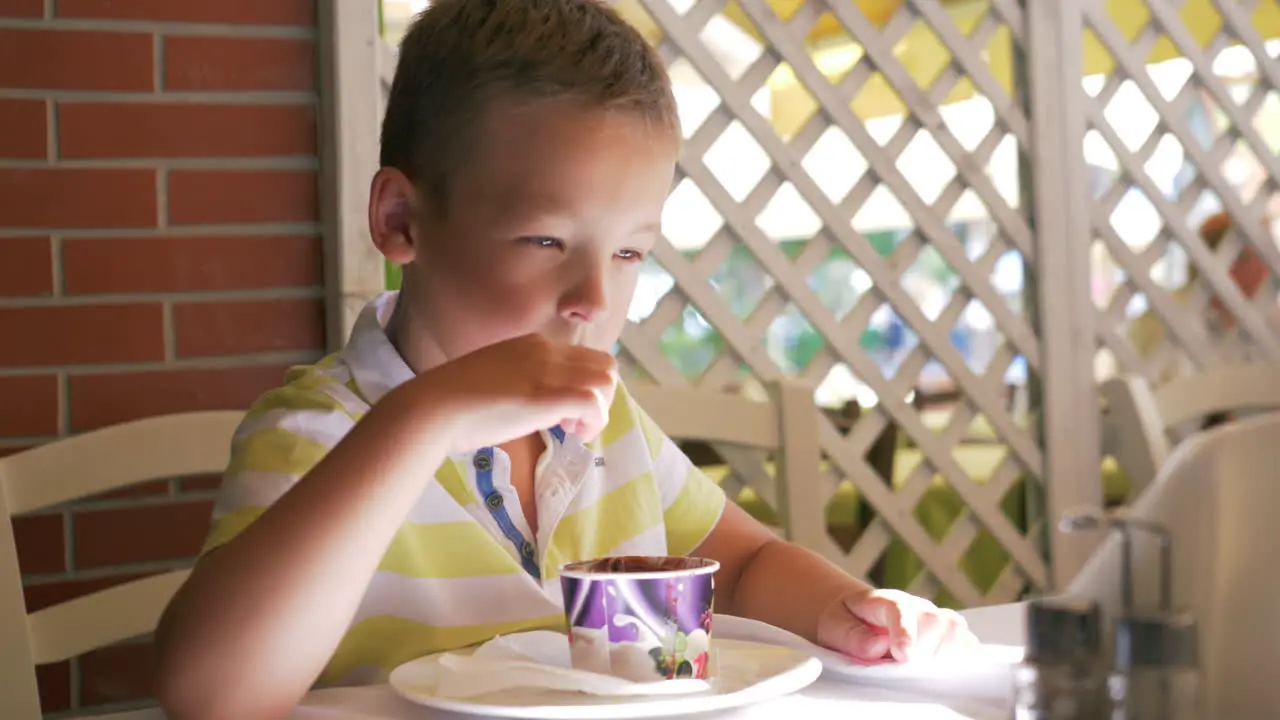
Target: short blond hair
{"x":459,"y":55}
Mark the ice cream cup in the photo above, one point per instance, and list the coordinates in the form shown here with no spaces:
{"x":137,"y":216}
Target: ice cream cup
{"x":640,"y":618}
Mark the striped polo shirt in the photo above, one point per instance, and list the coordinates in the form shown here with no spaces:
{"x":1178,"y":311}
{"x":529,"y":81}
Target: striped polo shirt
{"x":464,"y":566}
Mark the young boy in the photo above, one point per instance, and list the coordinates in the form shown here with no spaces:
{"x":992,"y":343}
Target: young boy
{"x":418,"y":490}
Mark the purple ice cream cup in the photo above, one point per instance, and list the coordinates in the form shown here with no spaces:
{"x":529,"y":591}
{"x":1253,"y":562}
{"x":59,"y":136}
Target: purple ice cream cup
{"x":643,"y":619}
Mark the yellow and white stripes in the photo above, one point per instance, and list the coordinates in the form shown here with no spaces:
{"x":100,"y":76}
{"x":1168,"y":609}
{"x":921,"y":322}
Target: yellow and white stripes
{"x":449,"y":580}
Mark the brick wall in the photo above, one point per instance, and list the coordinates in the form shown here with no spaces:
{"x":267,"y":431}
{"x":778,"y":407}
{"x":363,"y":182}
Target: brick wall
{"x":159,"y":252}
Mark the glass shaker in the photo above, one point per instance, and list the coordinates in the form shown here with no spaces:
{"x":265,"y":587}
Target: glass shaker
{"x":1156,"y":675}
{"x":1157,"y":669}
{"x":1062,"y":676}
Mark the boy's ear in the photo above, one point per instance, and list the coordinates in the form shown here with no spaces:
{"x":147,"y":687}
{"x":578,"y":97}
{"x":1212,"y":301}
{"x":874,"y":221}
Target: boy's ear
{"x":393,"y":216}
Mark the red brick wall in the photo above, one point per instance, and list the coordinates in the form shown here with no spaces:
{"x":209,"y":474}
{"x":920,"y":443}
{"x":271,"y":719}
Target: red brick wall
{"x":159,"y":252}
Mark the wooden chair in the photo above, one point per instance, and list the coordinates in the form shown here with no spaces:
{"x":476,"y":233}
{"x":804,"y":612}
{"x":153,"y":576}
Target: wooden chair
{"x":786,"y":426}
{"x":846,"y":517}
{"x":1137,"y":420}
{"x":78,"y":467}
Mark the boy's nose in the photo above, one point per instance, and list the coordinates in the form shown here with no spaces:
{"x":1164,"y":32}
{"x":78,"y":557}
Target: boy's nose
{"x":587,"y":299}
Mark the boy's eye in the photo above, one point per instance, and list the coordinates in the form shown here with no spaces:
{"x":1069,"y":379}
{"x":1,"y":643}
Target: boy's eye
{"x":545,"y":242}
{"x":631,"y":255}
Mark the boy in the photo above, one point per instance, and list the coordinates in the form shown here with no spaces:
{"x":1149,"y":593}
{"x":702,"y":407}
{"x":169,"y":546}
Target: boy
{"x":527,"y":151}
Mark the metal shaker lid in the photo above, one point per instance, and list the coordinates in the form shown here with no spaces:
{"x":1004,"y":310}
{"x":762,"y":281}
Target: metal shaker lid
{"x":1063,"y":629}
{"x":1164,"y":639}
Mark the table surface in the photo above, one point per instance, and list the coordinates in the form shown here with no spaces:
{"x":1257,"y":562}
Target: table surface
{"x":830,"y":696}
{"x":825,"y":698}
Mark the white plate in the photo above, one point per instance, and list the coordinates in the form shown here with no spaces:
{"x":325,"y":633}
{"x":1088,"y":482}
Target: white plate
{"x":743,"y":673}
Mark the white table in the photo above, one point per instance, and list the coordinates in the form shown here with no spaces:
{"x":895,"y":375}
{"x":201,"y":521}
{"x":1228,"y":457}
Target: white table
{"x":830,"y":696}
{"x":825,"y":698}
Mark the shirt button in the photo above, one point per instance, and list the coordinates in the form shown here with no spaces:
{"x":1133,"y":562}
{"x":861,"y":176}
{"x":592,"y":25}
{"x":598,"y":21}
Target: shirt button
{"x":527,"y":549}
{"x":494,"y":501}
{"x":482,"y":461}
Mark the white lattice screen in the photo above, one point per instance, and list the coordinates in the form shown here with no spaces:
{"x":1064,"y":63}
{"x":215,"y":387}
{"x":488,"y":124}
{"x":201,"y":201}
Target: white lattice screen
{"x":1170,"y":143}
{"x":854,"y":208}
{"x":944,"y":186}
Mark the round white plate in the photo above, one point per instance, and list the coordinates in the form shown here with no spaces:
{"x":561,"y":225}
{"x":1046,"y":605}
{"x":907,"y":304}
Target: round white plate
{"x":743,"y":673}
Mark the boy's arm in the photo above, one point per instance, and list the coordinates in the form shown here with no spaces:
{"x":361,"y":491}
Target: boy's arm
{"x":760,"y":576}
{"x":767,"y":579}
{"x":263,"y":614}
{"x":764,"y":578}
{"x":794,"y":588}
{"x":259,"y":617}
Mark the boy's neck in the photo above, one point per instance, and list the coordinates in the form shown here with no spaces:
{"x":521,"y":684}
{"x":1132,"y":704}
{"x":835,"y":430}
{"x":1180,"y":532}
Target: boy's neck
{"x":411,"y":337}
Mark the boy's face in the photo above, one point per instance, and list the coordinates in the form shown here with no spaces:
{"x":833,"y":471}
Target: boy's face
{"x":548,"y":221}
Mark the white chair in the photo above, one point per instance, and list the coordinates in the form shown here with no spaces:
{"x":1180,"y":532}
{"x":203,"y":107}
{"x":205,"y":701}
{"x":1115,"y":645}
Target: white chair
{"x":1137,"y":420}
{"x":73,"y":468}
{"x":1219,"y":497}
{"x":787,"y":425}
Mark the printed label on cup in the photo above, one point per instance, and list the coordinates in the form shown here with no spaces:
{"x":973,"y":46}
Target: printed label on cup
{"x":640,"y":618}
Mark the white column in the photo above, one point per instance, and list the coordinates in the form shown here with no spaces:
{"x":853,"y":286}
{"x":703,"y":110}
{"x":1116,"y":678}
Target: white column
{"x":350,"y":123}
{"x":1060,"y":214}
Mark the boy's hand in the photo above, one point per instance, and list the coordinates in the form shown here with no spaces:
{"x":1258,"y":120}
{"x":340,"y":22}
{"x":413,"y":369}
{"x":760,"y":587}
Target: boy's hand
{"x":516,"y":387}
{"x":890,"y":625}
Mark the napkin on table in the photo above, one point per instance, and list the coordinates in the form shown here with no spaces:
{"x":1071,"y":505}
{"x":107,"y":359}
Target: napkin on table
{"x":539,"y":659}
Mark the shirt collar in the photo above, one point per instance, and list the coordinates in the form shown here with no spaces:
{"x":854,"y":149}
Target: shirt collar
{"x":375,"y":363}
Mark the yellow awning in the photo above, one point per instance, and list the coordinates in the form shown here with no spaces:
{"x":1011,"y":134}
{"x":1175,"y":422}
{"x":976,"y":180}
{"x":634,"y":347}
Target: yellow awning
{"x":924,"y":55}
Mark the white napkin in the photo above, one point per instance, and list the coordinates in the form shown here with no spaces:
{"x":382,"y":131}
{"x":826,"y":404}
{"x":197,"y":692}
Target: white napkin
{"x":539,"y":659}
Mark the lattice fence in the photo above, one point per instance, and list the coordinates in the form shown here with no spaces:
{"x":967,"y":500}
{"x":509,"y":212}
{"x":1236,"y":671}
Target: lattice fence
{"x":1171,"y":143}
{"x":943,"y":186}
{"x":850,"y":210}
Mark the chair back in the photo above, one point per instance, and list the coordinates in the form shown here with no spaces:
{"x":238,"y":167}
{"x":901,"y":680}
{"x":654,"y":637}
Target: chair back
{"x":1138,"y":419}
{"x":1222,"y":389}
{"x":78,"y":467}
{"x":786,"y":426}
{"x":1133,"y":431}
